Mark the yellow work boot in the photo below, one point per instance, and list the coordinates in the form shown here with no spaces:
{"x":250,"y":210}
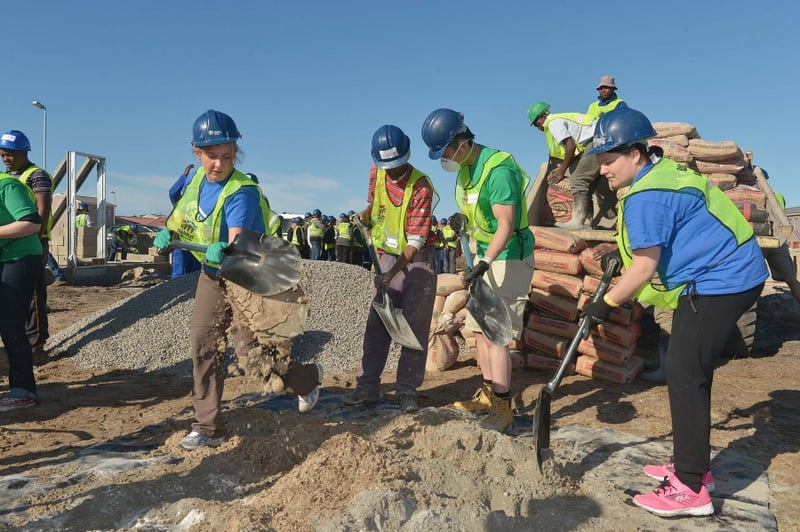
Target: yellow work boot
{"x":481,"y":401}
{"x":500,"y":416}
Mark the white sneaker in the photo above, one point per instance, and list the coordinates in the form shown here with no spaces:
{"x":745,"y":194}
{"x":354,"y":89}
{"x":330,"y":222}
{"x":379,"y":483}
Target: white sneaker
{"x":195,"y":440}
{"x":306,"y":403}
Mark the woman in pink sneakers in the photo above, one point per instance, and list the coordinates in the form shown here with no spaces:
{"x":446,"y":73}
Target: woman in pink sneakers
{"x":685,"y":246}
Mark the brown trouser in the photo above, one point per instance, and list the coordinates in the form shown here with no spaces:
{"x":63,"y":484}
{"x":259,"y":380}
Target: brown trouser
{"x":211,"y":317}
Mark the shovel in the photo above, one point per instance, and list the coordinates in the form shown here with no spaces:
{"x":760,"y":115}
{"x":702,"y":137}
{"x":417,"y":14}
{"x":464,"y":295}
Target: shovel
{"x":396,"y":324}
{"x":489,"y":311}
{"x":259,"y":263}
{"x":541,"y":416}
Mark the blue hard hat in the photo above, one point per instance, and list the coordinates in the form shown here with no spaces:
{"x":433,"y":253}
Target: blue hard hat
{"x":350,"y":213}
{"x":390,"y":147}
{"x":621,"y":128}
{"x":15,"y":140}
{"x":440,"y":128}
{"x":316,"y":213}
{"x":253,"y":177}
{"x":214,"y":127}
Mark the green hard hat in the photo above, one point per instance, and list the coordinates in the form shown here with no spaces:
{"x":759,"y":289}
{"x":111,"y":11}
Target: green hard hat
{"x":537,"y":109}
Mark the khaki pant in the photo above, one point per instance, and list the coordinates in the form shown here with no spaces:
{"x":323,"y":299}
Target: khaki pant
{"x":211,"y":317}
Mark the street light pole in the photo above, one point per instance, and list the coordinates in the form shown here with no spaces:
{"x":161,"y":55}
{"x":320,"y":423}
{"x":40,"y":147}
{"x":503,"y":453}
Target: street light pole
{"x":40,"y":105}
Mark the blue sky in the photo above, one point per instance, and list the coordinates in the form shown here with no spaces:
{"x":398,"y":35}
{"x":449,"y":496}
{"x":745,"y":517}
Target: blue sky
{"x":308,"y":82}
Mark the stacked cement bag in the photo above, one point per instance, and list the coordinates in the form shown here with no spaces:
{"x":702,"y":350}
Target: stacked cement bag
{"x":449,"y":312}
{"x":565,"y":278}
{"x":724,"y":163}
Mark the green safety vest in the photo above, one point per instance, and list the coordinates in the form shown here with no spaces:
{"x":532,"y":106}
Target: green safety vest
{"x":670,"y":175}
{"x":344,"y":230}
{"x":296,"y":241}
{"x":389,"y":222}
{"x":467,"y":197}
{"x":449,"y":232}
{"x":595,"y":111}
{"x":183,"y":218}
{"x":314,"y":230}
{"x":82,"y":220}
{"x":557,"y":150}
{"x":24,"y":177}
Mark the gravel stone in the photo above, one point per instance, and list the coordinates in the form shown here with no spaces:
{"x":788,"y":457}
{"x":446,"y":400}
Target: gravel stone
{"x":150,"y":330}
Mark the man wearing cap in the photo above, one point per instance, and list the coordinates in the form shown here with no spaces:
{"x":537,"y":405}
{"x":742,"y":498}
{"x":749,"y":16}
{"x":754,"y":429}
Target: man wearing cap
{"x":567,"y":135}
{"x":607,"y":98}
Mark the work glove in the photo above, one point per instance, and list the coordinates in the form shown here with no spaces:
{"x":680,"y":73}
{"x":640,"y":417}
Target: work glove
{"x":216,"y":252}
{"x":162,"y":240}
{"x":608,"y":257}
{"x":597,"y":312}
{"x":478,"y":271}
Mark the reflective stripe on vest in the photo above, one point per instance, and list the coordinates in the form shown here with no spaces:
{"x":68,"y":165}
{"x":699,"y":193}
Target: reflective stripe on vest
{"x":389,"y":222}
{"x":596,"y":110}
{"x":183,"y":220}
{"x":670,"y":175}
{"x":24,"y":177}
{"x":557,"y":150}
{"x":344,"y":230}
{"x":467,"y":198}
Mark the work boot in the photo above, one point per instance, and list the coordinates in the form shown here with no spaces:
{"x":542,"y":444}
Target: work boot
{"x":581,"y":212}
{"x":500,"y":416}
{"x":480,"y":402}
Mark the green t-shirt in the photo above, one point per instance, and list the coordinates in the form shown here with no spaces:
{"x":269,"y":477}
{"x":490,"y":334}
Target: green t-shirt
{"x":15,"y":204}
{"x":503,"y":187}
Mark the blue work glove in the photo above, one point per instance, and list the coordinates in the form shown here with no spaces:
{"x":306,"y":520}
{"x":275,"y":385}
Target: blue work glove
{"x":215,"y":252}
{"x":597,"y":312}
{"x":162,"y":240}
{"x":478,"y":271}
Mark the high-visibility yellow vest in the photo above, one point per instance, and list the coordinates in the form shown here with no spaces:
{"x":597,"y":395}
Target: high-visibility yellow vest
{"x":389,"y":222}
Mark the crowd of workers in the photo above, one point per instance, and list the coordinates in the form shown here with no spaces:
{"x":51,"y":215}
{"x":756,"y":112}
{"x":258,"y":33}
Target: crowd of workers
{"x":660,"y":220}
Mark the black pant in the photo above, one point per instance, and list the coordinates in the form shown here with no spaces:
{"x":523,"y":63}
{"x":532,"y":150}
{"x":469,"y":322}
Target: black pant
{"x":17,"y":279}
{"x":695,"y":346}
{"x":37,"y":326}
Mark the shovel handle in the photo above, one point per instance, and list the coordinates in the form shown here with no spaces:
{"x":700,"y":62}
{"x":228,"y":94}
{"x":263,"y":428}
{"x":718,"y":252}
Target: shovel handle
{"x":370,"y":247}
{"x":611,"y":268}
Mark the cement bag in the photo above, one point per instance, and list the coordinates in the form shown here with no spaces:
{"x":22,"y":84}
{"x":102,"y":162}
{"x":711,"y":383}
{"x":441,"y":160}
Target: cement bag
{"x":592,"y":282}
{"x":544,"y":343}
{"x":753,"y":213}
{"x":599,"y":369}
{"x":438,"y":303}
{"x":624,"y":314}
{"x":558,"y":262}
{"x":624,"y":335}
{"x":445,"y":324}
{"x":560,"y":204}
{"x":741,"y":195}
{"x":673,"y":151}
{"x":447,"y":283}
{"x":442,"y":352}
{"x":607,"y":351}
{"x":556,"y":239}
{"x":733,"y":166}
{"x":544,"y":362}
{"x":670,"y":129}
{"x":557,"y":283}
{"x":706,"y":150}
{"x":723,"y":181}
{"x":563,"y":307}
{"x":455,"y":301}
{"x":517,"y":360}
{"x":588,"y":263}
{"x":552,"y":326}
{"x":680,"y":140}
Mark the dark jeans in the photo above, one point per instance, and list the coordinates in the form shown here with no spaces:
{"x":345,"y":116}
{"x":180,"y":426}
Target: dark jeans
{"x":697,"y":342}
{"x":413,"y":290}
{"x":37,"y":326}
{"x":316,"y":248}
{"x":17,"y":281}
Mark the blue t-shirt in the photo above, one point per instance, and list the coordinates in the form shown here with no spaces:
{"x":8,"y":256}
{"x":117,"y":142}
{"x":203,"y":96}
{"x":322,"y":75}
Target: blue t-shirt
{"x":241,"y":209}
{"x":692,"y":241}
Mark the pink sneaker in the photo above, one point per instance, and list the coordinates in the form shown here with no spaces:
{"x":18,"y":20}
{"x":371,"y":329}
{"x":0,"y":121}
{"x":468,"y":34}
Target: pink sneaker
{"x":658,"y":472}
{"x":13,"y":403}
{"x":672,"y":497}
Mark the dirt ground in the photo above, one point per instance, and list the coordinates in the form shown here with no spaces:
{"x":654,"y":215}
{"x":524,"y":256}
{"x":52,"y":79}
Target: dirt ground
{"x":294,"y":472}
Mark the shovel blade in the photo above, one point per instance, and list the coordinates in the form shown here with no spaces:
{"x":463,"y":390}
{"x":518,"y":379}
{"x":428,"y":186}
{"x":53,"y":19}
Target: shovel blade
{"x":541,"y":424}
{"x":490,"y":313}
{"x":261,"y":264}
{"x":396,"y":324}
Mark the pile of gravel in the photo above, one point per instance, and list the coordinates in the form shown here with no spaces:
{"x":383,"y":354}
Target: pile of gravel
{"x":150,"y":330}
